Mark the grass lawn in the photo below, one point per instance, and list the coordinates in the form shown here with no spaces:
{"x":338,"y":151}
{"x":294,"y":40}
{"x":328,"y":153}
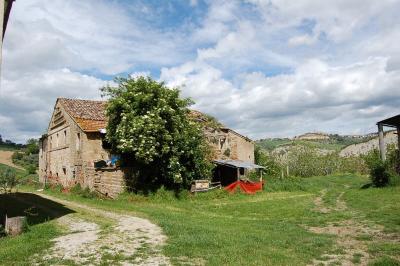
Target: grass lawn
{"x":40,"y":215}
{"x":269,"y":228}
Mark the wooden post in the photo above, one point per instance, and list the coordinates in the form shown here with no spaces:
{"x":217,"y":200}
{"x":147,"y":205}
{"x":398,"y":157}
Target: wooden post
{"x":15,"y":225}
{"x":238,"y":173}
{"x":382,"y":147}
{"x":287,"y":170}
{"x":398,"y":138}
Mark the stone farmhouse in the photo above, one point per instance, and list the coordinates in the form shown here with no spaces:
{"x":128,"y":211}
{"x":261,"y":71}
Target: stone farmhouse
{"x":74,"y":144}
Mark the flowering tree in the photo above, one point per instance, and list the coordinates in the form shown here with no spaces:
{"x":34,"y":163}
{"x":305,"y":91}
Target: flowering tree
{"x":149,"y":125}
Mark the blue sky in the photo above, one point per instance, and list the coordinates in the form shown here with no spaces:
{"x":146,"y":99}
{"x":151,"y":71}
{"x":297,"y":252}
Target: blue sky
{"x":264,"y":68}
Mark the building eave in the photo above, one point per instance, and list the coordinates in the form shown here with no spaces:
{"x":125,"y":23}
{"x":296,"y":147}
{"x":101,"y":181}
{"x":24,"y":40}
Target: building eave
{"x":7,"y":11}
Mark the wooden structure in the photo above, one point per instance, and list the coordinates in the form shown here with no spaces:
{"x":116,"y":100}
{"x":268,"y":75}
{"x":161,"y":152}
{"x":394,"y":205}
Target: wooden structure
{"x":14,"y":225}
{"x":5,"y":9}
{"x":204,"y":185}
{"x":229,"y":171}
{"x":389,"y":122}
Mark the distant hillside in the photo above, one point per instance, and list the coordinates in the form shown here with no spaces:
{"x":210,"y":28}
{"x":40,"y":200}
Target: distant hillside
{"x":8,"y":145}
{"x":313,"y":136}
{"x":320,"y":141}
{"x":366,"y":146}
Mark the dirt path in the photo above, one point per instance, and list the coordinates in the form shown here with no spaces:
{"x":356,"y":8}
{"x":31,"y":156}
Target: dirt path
{"x":352,"y":235}
{"x":5,"y":158}
{"x":129,"y":240}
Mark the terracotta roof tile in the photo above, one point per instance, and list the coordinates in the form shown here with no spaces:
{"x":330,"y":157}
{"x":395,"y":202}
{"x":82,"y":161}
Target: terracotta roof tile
{"x":90,"y":115}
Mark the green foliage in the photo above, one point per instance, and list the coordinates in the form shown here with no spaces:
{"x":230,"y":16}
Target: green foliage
{"x":284,"y":184}
{"x":83,"y":192}
{"x":306,"y":161}
{"x":149,"y":125}
{"x":227,"y":152}
{"x":28,"y":157}
{"x":272,"y":168}
{"x":8,"y":179}
{"x":384,"y":173}
{"x":30,"y":161}
{"x":32,"y":146}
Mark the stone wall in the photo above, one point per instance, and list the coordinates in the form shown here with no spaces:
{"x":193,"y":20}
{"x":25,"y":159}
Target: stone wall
{"x":109,"y":181}
{"x":229,"y":145}
{"x":241,"y":148}
{"x":57,"y":154}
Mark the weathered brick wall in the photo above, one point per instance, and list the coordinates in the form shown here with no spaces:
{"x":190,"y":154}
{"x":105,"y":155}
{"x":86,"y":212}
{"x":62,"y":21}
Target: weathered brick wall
{"x":57,"y":154}
{"x":241,"y":148}
{"x":227,"y":144}
{"x":108,"y":181}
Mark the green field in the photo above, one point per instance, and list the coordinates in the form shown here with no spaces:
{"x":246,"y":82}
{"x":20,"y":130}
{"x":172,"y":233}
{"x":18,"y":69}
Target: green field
{"x":270,"y":228}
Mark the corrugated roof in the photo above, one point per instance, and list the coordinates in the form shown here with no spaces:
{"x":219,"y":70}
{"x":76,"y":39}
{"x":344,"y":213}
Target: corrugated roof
{"x":238,"y":164}
{"x":393,"y":121}
{"x":89,"y":115}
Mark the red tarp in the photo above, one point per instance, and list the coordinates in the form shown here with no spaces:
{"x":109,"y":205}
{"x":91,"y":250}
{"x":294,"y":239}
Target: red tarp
{"x":246,"y":186}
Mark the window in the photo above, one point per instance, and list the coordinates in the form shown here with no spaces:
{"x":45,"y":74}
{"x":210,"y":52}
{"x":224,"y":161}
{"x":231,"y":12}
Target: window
{"x":64,"y":171}
{"x":57,"y":140}
{"x":78,"y":141}
{"x":65,"y":137}
{"x":51,"y":142}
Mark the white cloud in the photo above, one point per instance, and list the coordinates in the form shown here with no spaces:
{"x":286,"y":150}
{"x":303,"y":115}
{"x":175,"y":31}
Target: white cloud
{"x":26,"y":103}
{"x":263,"y":67}
{"x":302,"y":40}
{"x":326,"y":96}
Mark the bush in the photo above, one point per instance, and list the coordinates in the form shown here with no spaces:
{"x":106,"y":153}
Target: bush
{"x":378,"y":170}
{"x":83,"y":192}
{"x":8,"y":179}
{"x":31,"y":169}
{"x":272,"y":168}
{"x":379,"y":175}
{"x":17,"y":156}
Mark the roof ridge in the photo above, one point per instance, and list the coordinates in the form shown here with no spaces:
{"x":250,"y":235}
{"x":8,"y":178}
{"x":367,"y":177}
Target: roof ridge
{"x":84,"y":100}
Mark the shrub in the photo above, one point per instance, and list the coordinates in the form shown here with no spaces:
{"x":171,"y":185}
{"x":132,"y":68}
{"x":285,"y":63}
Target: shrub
{"x":379,"y":175}
{"x":83,"y":192}
{"x":378,"y":170}
{"x":31,"y":169}
{"x":272,"y":168}
{"x":8,"y":179}
{"x":17,"y":156}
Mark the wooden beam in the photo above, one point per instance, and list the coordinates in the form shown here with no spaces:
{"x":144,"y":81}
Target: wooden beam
{"x":382,"y":147}
{"x":398,"y":138}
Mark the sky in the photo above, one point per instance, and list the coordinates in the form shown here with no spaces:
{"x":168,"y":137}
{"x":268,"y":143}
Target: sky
{"x":263,"y":68}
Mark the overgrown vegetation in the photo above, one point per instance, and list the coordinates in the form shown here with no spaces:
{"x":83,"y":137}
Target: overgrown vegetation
{"x":304,"y":161}
{"x":387,"y":172}
{"x":8,"y":180}
{"x":83,"y":192}
{"x":149,"y":125}
{"x":28,"y":157}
